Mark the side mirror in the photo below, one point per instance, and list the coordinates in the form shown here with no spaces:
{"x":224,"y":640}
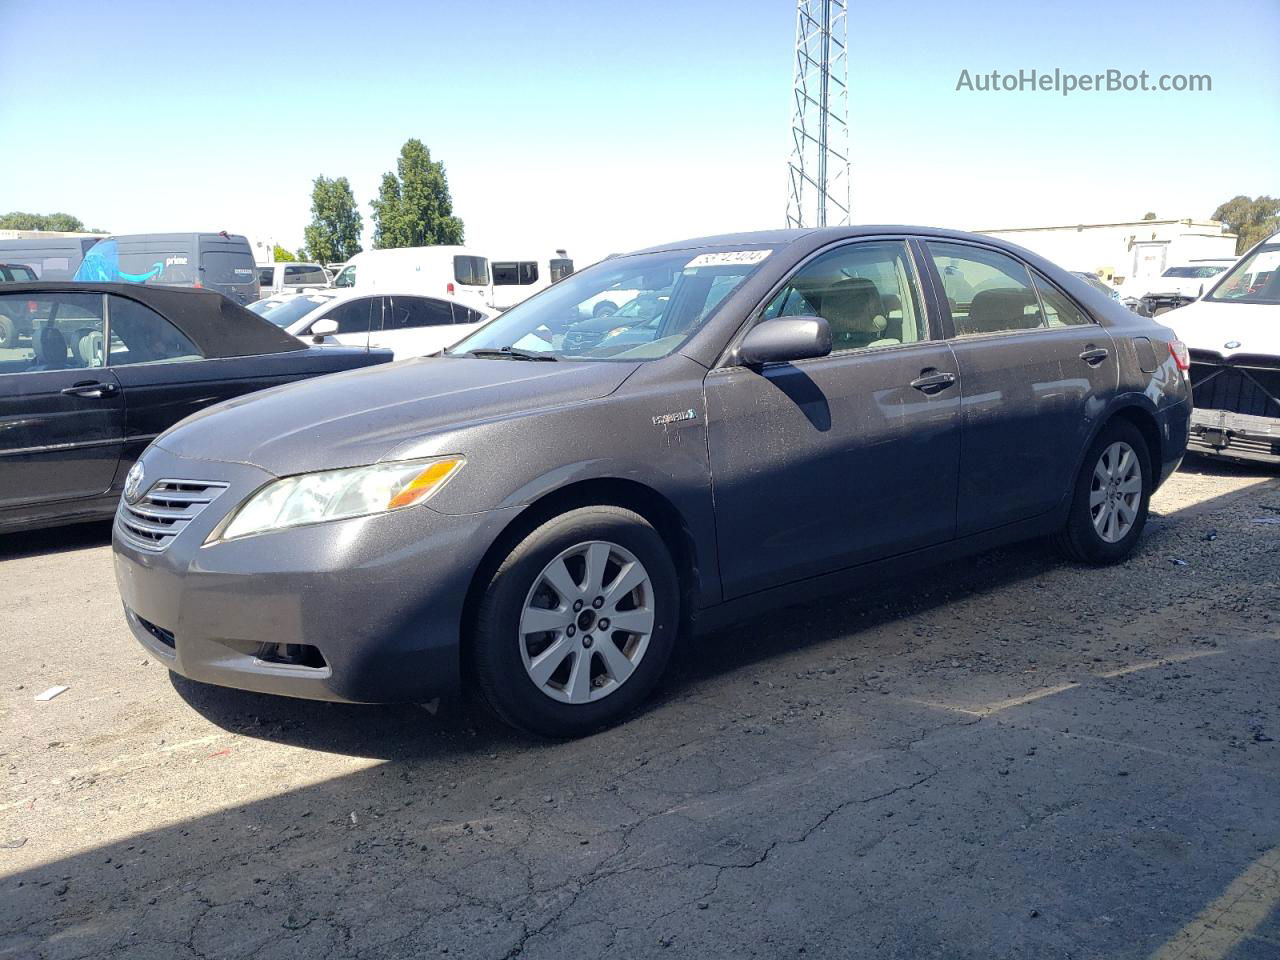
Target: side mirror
{"x":784,"y":339}
{"x":324,"y":327}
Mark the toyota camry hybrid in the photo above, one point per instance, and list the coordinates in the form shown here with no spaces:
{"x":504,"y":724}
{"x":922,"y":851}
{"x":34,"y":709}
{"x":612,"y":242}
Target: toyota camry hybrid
{"x":543,"y":519}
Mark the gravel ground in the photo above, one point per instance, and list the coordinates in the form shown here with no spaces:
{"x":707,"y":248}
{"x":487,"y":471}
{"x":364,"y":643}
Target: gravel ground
{"x":1011,"y":757}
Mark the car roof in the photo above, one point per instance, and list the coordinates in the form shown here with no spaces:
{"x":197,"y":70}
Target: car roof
{"x":819,"y":235}
{"x":217,"y":326}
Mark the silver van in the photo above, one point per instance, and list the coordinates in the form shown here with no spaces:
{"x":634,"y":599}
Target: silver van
{"x":216,"y":261}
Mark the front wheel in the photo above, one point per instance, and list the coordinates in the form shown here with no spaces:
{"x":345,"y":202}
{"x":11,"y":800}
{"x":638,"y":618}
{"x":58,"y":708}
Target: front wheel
{"x":577,"y":624}
{"x":1109,"y":506}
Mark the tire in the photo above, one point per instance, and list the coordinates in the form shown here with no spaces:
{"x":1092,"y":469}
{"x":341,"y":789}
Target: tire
{"x":605,"y":308}
{"x":1082,"y":539}
{"x":8,"y":332}
{"x":533,"y":680}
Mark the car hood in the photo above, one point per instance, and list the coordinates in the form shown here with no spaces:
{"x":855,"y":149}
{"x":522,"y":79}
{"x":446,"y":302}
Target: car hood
{"x":1211,"y":325}
{"x":361,"y":416}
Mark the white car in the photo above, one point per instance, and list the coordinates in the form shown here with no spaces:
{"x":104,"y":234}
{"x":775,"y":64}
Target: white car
{"x":1233,"y":333}
{"x":1179,"y":285}
{"x":291,"y":278}
{"x":408,"y":324}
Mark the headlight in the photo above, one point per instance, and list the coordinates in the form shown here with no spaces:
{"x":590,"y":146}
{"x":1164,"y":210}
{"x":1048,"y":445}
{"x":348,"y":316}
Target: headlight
{"x":338,"y":495}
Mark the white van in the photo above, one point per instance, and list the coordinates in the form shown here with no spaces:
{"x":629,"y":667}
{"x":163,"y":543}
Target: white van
{"x":517,"y":279}
{"x":455,"y":273}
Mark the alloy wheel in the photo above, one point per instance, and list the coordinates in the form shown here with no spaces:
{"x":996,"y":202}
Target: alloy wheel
{"x":586,"y":622}
{"x":1116,"y":492}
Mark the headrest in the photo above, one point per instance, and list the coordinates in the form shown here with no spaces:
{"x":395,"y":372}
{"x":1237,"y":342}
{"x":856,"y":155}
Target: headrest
{"x":994,"y":310}
{"x":51,"y":348}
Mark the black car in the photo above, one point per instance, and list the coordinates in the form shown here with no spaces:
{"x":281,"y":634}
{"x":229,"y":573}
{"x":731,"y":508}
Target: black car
{"x":94,"y":371}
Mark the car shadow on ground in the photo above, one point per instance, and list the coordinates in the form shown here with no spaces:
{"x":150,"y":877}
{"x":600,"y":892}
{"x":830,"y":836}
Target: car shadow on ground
{"x":408,"y":731}
{"x":31,"y":543}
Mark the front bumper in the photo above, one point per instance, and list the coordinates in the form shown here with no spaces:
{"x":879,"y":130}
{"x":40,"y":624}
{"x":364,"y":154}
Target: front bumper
{"x":365,"y":610}
{"x":1239,"y":436}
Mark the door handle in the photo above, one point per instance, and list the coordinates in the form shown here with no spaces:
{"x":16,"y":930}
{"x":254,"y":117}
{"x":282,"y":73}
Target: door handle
{"x":91,"y":389}
{"x":1094,"y":356}
{"x":933,"y":381}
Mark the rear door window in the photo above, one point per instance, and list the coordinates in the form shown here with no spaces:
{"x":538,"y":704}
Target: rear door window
{"x":987,"y":291}
{"x":410,"y":312}
{"x":225,"y":267}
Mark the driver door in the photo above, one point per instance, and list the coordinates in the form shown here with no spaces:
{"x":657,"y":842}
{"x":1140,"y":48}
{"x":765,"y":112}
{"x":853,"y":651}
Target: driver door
{"x":61,"y":410}
{"x":830,"y":462}
{"x":359,"y":321}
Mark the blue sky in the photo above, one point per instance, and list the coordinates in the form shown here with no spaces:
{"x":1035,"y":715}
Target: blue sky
{"x":601,"y":126}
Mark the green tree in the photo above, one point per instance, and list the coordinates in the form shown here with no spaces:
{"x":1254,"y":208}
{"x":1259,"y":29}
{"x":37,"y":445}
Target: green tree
{"x":1148,"y":216}
{"x":280,"y":255}
{"x":1251,"y":220}
{"x":334,"y":232}
{"x":64,"y":222}
{"x":414,"y":208}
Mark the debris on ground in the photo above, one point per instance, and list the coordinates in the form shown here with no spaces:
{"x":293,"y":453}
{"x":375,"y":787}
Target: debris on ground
{"x":51,"y":693}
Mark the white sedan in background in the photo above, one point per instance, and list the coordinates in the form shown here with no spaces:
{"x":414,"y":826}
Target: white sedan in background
{"x":408,"y":324}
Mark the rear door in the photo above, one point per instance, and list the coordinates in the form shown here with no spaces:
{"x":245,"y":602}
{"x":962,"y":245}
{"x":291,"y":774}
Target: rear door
{"x":1036,"y":373}
{"x":228,"y":267}
{"x":834,"y":461}
{"x":417,"y":326}
{"x":61,"y":412}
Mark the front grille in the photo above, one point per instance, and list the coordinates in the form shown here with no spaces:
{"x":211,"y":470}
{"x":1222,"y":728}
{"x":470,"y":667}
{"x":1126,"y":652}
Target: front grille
{"x":165,"y":511}
{"x":1253,"y":390}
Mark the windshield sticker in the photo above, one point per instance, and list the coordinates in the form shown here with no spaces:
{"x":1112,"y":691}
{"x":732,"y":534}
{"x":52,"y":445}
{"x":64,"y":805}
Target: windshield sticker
{"x":728,"y":258}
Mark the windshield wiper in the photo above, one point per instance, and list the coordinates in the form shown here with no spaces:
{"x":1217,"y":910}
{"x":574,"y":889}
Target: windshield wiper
{"x":509,"y":353}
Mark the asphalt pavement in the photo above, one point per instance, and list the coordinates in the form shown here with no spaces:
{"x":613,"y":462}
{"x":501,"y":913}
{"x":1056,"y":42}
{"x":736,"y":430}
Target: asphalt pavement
{"x":1013,"y":756}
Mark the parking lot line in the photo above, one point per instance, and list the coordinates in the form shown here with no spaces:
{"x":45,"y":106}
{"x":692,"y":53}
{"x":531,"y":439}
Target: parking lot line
{"x":1230,"y":919}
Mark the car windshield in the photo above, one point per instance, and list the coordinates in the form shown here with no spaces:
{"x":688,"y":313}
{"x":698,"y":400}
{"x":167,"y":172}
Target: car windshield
{"x":286,"y":311}
{"x":1255,"y":279}
{"x":686,"y":286}
{"x":1193,"y":273}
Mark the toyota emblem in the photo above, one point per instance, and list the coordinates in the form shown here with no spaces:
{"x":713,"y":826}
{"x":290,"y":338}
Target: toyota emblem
{"x":133,"y":483}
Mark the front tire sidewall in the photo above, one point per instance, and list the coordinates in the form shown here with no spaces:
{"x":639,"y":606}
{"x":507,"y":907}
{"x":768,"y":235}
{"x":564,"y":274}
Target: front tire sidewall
{"x":1082,"y":539}
{"x":499,"y":667}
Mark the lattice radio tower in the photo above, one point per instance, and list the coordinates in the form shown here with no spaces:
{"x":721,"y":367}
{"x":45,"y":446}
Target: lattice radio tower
{"x":818,"y":171}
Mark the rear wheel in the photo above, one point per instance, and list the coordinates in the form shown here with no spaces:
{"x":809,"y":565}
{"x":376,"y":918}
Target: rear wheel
{"x":8,"y":332}
{"x":578,"y":622}
{"x":1109,"y":507}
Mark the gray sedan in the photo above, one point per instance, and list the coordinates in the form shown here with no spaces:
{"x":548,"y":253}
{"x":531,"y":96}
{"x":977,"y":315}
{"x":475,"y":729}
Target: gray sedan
{"x":813,"y":410}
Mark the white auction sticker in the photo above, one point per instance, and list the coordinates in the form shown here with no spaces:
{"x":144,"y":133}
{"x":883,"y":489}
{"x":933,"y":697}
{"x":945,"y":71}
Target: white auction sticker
{"x":728,"y":258}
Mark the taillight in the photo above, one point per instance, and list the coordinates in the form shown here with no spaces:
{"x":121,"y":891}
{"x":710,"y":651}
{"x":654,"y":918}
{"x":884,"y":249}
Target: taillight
{"x":449,"y":288}
{"x":198,"y":285}
{"x":1178,"y":350}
